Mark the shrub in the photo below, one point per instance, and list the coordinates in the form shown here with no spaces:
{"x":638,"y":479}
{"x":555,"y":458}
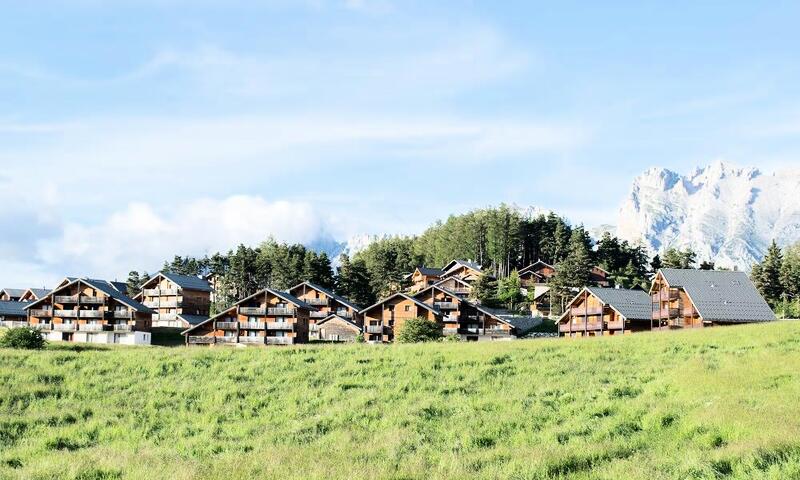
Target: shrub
{"x":360,"y":338}
{"x":23,"y":337}
{"x":419,"y":330}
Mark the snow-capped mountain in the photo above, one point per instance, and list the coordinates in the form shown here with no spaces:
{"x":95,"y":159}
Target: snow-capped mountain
{"x":353,"y":245}
{"x":726,"y":214}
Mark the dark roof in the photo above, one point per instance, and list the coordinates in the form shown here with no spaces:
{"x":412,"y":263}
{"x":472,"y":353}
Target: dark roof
{"x":188,"y":282}
{"x":193,"y":319}
{"x":109,"y":289}
{"x":421,"y":304}
{"x":12,"y":309}
{"x":284,"y":295}
{"x":333,"y":315}
{"x":721,"y":296}
{"x":121,"y":287}
{"x":14,"y":292}
{"x":522,"y":324}
{"x":464,"y":263}
{"x":329,"y":293}
{"x":534,"y":264}
{"x":455,"y":279}
{"x":430,"y":271}
{"x":209,"y":319}
{"x":39,"y":292}
{"x":631,"y":304}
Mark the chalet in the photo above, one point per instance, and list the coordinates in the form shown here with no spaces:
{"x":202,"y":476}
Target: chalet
{"x":384,"y":318}
{"x":11,"y":294}
{"x":268,"y":317}
{"x":93,"y":311}
{"x":334,"y":328}
{"x":423,"y":277}
{"x":472,"y":321}
{"x":327,"y":303}
{"x":697,"y":298}
{"x":176,"y":300}
{"x":536,"y":273}
{"x":33,"y":294}
{"x":456,"y":285}
{"x":463,"y":269}
{"x":12,"y":314}
{"x":597,"y":311}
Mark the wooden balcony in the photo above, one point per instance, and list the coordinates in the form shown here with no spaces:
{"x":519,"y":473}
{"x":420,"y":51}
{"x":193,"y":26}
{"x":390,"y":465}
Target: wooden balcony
{"x":41,"y":313}
{"x":313,"y":327}
{"x":227,"y":325}
{"x":90,"y":327}
{"x":665,"y":313}
{"x":318,"y":314}
{"x":460,"y":291}
{"x":446,"y":305}
{"x":92,"y":300}
{"x":160,"y":292}
{"x":281,"y":311}
{"x":581,"y":311}
{"x":580,"y":327}
{"x":279,"y":340}
{"x":163,"y":303}
{"x":252,"y":325}
{"x":164,"y":317}
{"x":688,"y":312}
{"x":122,"y":314}
{"x":345,"y":314}
{"x":374,"y":328}
{"x":450,"y":331}
{"x":665,"y":296}
{"x":43,"y":326}
{"x":65,"y":313}
{"x":256,"y":311}
{"x":13,"y":323}
{"x":226,"y":339}
{"x":122,"y":327}
{"x":65,"y":327}
{"x":318,"y":302}
{"x":288,"y":326}
{"x":92,"y":314}
{"x":65,"y":298}
{"x":201,"y":340}
{"x":252,"y":340}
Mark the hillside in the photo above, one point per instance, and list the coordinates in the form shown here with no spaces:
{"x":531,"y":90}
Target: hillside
{"x":726,"y":214}
{"x":693,"y":404}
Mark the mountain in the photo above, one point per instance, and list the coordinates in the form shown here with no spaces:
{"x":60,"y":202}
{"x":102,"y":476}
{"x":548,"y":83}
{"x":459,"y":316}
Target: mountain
{"x":353,"y":245}
{"x":726,"y":214}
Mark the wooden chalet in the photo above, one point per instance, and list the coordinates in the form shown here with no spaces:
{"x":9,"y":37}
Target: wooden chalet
{"x":386,"y":317}
{"x":327,"y":303}
{"x":33,"y":294}
{"x":536,"y":273}
{"x":599,"y":277}
{"x":423,"y":277}
{"x":268,"y":317}
{"x":176,"y":300}
{"x":463,"y":269}
{"x":472,"y":321}
{"x":11,"y":294}
{"x":598,"y":311}
{"x":456,"y":285}
{"x":334,"y":328}
{"x":12,"y":314}
{"x":697,"y":298}
{"x":93,"y":311}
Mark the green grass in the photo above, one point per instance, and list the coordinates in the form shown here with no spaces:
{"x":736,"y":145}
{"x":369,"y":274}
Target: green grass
{"x":710,"y":404}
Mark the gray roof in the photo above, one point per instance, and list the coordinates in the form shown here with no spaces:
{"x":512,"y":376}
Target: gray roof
{"x":111,"y":290}
{"x":188,"y":282}
{"x":465,"y":263}
{"x":192,"y":319}
{"x":421,"y":304}
{"x":333,"y":315}
{"x":721,"y":296}
{"x":522,"y":324}
{"x":329,"y":293}
{"x":12,"y":309}
{"x":631,"y":304}
{"x":40,"y":292}
{"x":14,"y":292}
{"x":284,"y":295}
{"x":430,"y":271}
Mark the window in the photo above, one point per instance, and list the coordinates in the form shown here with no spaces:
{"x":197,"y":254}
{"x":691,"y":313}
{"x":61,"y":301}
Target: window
{"x":408,"y":308}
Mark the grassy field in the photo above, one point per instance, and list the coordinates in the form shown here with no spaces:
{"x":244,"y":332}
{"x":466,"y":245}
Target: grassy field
{"x":719,"y":403}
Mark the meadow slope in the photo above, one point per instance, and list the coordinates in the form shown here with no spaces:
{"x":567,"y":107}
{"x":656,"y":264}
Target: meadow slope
{"x":714,"y":403}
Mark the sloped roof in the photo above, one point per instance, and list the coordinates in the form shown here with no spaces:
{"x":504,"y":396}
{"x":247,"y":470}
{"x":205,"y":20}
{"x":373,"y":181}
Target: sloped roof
{"x":109,"y":289}
{"x":522,"y":324}
{"x":14,"y":292}
{"x":209,"y":319}
{"x":430,"y":271}
{"x":631,"y":304}
{"x":39,"y":292}
{"x":455,"y":279}
{"x":384,"y":300}
{"x":334,"y":316}
{"x":534,"y":265}
{"x":329,"y":293}
{"x":721,"y":296}
{"x":461,"y":263}
{"x":193,"y":319}
{"x":188,"y":282}
{"x":12,"y":309}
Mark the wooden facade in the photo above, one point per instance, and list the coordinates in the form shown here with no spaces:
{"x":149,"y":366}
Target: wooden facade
{"x":337,"y":329}
{"x":12,"y":314}
{"x":33,"y":294}
{"x":671,"y":307}
{"x":174,"y":298}
{"x":464,"y":318}
{"x":423,"y":277}
{"x":383,"y":319}
{"x":11,"y":294}
{"x":93,"y":311}
{"x":268,"y":317}
{"x":463,"y":269}
{"x":603,"y":311}
{"x":327,"y":303}
{"x":456,"y":285}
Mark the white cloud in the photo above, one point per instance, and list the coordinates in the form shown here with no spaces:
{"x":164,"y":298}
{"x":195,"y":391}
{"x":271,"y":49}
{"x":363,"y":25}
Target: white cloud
{"x":140,"y":237}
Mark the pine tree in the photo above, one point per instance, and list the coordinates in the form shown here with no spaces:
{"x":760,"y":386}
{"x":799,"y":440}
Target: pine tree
{"x":484,"y":290}
{"x":509,"y":290}
{"x":573,"y":272}
{"x":655,"y":264}
{"x":676,"y":258}
{"x":769,"y":280}
{"x":134,"y":283}
{"x":790,"y":273}
{"x":353,"y":282}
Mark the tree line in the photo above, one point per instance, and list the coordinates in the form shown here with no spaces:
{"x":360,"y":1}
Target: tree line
{"x":777,"y":277}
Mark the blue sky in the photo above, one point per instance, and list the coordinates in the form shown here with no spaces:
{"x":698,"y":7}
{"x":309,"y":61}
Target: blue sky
{"x":132,"y":130}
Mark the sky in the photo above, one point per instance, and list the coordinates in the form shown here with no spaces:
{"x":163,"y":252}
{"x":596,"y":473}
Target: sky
{"x":131,"y":131}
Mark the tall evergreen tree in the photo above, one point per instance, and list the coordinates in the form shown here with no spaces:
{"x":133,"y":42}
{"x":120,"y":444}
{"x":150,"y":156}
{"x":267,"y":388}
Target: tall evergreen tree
{"x":484,"y":290}
{"x":353,"y":282}
{"x":768,"y":281}
{"x":572,"y":272}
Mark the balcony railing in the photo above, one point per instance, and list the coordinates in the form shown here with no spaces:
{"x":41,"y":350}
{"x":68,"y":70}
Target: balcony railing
{"x":226,"y":339}
{"x":579,"y":327}
{"x":374,"y":328}
{"x":318,"y":302}
{"x":280,"y":326}
{"x":160,"y":292}
{"x":450,"y":331}
{"x":201,"y":340}
{"x":313,"y":327}
{"x":162,"y":304}
{"x":65,"y":313}
{"x":65,"y":298}
{"x":253,"y":311}
{"x":279,"y":340}
{"x":227,"y":325}
{"x":318,"y":314}
{"x":665,"y":313}
{"x":614,"y":325}
{"x":92,"y":314}
{"x":164,"y":317}
{"x":446,"y":305}
{"x":92,"y":300}
{"x":580,"y":311}
{"x":65,"y":327}
{"x":43,"y":326}
{"x":259,"y":340}
{"x":123,"y":327}
{"x":122,"y":314}
{"x":345,"y":313}
{"x":689,"y":312}
{"x":665,"y":295}
{"x":41,"y":313}
{"x":90,"y":327}
{"x":13,"y":323}
{"x":281,"y":311}
{"x":252,"y":325}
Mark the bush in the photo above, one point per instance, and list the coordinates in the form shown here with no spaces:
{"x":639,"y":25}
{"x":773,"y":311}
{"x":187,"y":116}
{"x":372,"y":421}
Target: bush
{"x":23,"y":337}
{"x":419,"y":330}
{"x":360,"y":338}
